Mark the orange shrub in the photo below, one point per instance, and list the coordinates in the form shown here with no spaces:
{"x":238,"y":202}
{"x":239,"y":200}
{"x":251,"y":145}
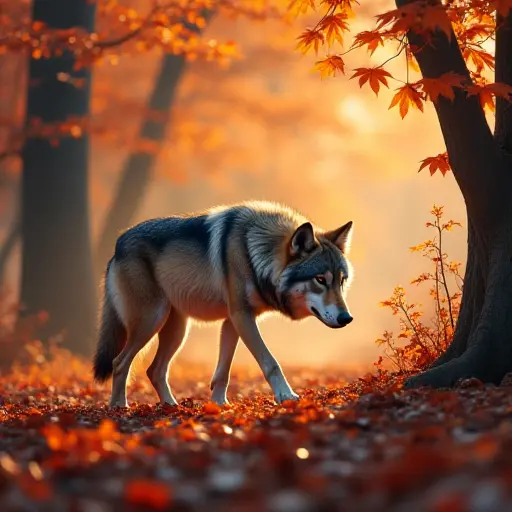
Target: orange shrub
{"x":420,"y":341}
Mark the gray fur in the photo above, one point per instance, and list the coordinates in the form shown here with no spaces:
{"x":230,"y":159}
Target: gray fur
{"x":230,"y":263}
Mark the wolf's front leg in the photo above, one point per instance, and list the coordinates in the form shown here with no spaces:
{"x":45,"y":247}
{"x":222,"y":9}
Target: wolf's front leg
{"x":245,"y":324}
{"x":227,"y":349}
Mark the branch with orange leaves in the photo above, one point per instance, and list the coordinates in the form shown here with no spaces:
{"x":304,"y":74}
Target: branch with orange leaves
{"x":471,"y":31}
{"x":173,"y":26}
{"x":419,"y":342}
{"x":467,"y":135}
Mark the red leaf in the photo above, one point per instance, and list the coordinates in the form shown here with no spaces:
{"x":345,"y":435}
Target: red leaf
{"x":405,"y":97}
{"x":374,"y":76}
{"x":436,"y":163}
{"x":147,"y":493}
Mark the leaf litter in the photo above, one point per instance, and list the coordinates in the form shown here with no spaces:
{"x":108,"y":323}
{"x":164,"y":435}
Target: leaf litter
{"x":363,"y":445}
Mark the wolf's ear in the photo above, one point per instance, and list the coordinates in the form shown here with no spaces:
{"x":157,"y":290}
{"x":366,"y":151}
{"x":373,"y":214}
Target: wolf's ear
{"x":303,"y":240}
{"x":341,"y":237}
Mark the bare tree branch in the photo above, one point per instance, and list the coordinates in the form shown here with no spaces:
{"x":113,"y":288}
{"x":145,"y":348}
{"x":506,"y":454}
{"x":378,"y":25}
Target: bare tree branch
{"x":471,"y":147}
{"x":503,"y":129}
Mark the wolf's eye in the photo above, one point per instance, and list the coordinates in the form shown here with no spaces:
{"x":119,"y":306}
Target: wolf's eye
{"x":321,"y":280}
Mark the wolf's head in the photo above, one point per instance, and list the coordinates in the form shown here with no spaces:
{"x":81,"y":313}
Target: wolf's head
{"x":318,"y":274}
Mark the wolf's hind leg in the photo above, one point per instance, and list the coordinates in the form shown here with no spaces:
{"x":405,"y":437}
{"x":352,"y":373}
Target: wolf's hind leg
{"x":227,"y":349}
{"x":171,"y":338}
{"x":150,"y":320}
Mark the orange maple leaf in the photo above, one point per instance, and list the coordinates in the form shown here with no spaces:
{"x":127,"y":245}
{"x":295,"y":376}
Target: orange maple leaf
{"x":480,"y":58}
{"x":343,"y":5}
{"x":436,"y":163}
{"x":311,"y":37}
{"x":401,"y":19}
{"x":371,"y":38}
{"x":434,"y":16}
{"x":500,"y":89}
{"x":334,"y":26}
{"x":418,"y":17}
{"x":330,"y":66}
{"x":374,"y":76}
{"x":442,"y":86}
{"x":476,"y":31}
{"x":485,"y":94}
{"x":297,"y":7}
{"x":405,"y":97}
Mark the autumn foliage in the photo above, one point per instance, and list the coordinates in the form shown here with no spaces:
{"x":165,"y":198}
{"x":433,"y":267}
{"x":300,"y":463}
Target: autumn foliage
{"x":362,"y":445}
{"x":473,"y":22}
{"x":422,"y":340}
{"x":365,"y":442}
{"x":365,"y":446}
{"x":123,"y":29}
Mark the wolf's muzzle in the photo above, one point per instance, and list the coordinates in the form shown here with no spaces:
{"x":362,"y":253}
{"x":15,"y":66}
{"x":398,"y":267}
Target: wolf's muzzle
{"x":344,"y":319}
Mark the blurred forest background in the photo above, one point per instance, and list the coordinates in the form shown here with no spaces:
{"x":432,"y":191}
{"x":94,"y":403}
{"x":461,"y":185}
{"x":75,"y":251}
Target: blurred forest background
{"x":188,"y":108}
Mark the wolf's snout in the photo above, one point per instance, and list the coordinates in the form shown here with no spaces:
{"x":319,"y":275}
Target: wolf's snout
{"x":344,"y":319}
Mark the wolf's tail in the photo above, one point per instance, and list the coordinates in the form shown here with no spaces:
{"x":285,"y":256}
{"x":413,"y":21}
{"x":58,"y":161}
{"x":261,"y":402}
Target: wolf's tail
{"x":112,"y":336}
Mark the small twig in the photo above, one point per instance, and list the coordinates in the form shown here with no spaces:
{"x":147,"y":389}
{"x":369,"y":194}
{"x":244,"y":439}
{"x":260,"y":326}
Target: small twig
{"x":438,"y":306}
{"x":414,"y":328}
{"x":445,"y":284}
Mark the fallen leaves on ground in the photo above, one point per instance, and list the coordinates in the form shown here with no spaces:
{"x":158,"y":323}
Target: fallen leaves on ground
{"x":362,"y":446}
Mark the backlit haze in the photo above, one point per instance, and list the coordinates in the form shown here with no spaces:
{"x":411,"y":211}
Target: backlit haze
{"x":269,"y":128}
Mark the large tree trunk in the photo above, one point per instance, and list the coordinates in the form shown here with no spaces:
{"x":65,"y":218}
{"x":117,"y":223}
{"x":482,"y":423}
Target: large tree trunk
{"x":482,"y":166}
{"x":137,"y":170}
{"x":57,"y":273}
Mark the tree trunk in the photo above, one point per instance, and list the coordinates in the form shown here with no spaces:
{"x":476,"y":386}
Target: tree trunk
{"x":57,"y":273}
{"x":482,"y":166}
{"x":8,"y":247}
{"x":136,"y":173}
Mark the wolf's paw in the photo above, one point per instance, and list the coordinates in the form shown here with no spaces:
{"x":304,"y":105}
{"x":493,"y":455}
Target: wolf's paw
{"x":118,"y":404}
{"x":219,"y":389}
{"x":219,"y":397}
{"x":221,"y":401}
{"x":168,"y":403}
{"x":284,"y":395}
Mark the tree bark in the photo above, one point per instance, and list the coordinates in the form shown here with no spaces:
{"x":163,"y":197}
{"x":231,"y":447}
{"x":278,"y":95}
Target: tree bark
{"x":482,"y":344}
{"x":57,"y":273}
{"x":503,"y":130}
{"x":8,"y":247}
{"x":137,"y":170}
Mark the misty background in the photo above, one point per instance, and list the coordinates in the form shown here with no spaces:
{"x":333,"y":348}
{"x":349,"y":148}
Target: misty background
{"x":264,"y":127}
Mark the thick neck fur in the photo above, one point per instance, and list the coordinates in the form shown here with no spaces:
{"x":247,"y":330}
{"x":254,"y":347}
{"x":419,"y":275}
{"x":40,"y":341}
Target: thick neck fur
{"x":267,"y":243}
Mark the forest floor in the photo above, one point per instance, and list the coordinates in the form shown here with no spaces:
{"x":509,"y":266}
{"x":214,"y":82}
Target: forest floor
{"x":341,"y":448}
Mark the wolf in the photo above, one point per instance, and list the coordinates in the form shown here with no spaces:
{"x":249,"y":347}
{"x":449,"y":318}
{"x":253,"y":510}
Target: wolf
{"x":232,"y":263}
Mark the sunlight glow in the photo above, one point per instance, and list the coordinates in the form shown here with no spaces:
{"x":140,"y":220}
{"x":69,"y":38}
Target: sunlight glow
{"x":354,"y":110}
